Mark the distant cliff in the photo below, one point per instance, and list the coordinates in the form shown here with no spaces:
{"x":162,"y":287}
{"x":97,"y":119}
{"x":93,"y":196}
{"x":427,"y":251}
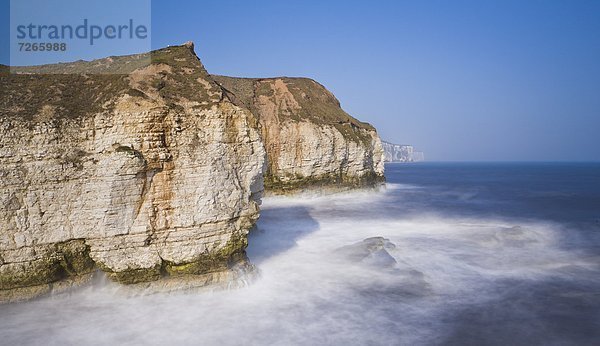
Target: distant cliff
{"x":309,"y":139}
{"x":401,"y":153}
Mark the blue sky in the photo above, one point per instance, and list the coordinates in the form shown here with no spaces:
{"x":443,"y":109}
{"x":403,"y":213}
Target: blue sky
{"x":460,"y":80}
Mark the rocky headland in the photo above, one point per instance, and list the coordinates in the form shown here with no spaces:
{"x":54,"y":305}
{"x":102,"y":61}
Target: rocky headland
{"x":151,"y":172}
{"x":310,"y":140}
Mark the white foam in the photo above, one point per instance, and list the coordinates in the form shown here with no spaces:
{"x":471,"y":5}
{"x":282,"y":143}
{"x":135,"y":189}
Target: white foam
{"x":306,"y":296}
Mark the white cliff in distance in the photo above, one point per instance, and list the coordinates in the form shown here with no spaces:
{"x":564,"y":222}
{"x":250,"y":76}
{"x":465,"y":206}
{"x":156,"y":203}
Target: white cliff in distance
{"x":401,"y":153}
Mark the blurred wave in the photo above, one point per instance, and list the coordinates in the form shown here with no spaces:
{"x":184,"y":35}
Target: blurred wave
{"x":443,"y":255}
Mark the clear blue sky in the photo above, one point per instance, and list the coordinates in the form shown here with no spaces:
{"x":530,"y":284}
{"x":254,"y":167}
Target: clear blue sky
{"x":460,"y":80}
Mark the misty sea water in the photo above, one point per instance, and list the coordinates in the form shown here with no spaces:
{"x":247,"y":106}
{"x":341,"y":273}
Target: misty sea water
{"x":561,"y":307}
{"x":485,"y":254}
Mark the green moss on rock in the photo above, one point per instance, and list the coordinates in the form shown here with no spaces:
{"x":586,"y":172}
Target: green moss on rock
{"x":134,"y":276}
{"x":293,"y":184}
{"x":65,"y":259}
{"x":75,"y":257}
{"x":210,"y":262}
{"x":219,"y":260}
{"x":34,"y":273}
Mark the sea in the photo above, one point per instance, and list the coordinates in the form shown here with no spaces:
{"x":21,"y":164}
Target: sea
{"x":475,"y":254}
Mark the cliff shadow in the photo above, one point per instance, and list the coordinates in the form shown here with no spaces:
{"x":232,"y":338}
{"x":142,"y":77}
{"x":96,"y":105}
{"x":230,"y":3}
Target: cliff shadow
{"x":278,"y":230}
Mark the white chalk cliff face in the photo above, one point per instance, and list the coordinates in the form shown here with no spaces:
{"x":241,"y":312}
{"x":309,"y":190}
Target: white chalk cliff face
{"x":397,"y":152}
{"x":149,"y":174}
{"x":154,"y":172}
{"x":401,"y":153}
{"x":310,"y":140}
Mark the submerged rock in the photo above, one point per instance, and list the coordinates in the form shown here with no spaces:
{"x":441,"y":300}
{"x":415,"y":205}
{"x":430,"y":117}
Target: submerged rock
{"x":507,"y":237}
{"x":378,"y":275}
{"x":371,"y":251}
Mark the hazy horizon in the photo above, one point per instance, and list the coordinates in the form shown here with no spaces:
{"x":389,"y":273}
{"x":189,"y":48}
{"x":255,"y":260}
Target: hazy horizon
{"x":460,"y":81}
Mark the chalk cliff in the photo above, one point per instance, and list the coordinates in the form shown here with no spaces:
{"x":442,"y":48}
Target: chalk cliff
{"x":144,"y":174}
{"x":149,"y":168}
{"x":310,"y":141}
{"x":401,"y":153}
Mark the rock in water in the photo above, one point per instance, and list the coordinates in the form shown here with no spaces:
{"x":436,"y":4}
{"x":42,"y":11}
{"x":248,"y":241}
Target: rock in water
{"x":380,"y":258}
{"x":371,"y":251}
{"x":384,"y":276}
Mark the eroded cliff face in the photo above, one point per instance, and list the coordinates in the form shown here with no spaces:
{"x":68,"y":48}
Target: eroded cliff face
{"x":401,"y":153}
{"x":146,"y":174}
{"x":310,"y":140}
{"x":397,"y":152}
